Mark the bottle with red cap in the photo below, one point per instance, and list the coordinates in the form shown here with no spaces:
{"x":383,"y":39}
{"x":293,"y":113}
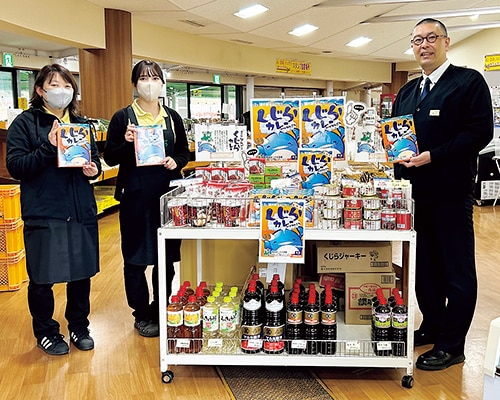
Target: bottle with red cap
{"x":175,"y":322}
{"x":328,"y":327}
{"x":311,"y":324}
{"x":193,"y":329}
{"x":274,"y":326}
{"x":382,"y":327}
{"x":251,"y":325}
{"x":294,"y":325}
{"x":399,"y":327}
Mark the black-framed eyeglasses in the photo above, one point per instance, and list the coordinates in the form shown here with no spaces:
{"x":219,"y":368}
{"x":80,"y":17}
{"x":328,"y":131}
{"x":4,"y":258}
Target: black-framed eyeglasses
{"x":431,"y":38}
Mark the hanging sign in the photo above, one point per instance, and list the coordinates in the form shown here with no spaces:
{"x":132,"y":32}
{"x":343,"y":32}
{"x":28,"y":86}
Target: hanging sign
{"x":492,"y":62}
{"x":293,"y":67}
{"x":8,"y":60}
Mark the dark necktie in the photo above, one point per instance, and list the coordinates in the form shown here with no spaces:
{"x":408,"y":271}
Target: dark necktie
{"x":426,"y":89}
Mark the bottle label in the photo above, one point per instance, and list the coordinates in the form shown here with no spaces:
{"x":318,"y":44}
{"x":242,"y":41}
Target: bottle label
{"x":294,"y":317}
{"x":273,"y":338}
{"x":311,"y":317}
{"x":251,"y":337}
{"x":174,"y":318}
{"x":227,"y":321}
{"x":328,"y":317}
{"x":192,"y":318}
{"x":382,"y":320}
{"x":274,"y":306}
{"x":210,"y":320}
{"x":400,"y":321}
{"x":252,"y":305}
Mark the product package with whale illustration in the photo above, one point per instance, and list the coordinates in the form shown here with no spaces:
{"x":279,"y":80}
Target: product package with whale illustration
{"x":399,"y":138}
{"x":73,"y":145}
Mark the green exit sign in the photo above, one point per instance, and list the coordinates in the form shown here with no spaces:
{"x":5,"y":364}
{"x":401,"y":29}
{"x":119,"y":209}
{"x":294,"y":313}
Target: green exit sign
{"x":8,"y":60}
{"x":217,"y":79}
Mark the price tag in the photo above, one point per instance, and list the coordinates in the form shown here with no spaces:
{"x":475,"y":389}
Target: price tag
{"x":182,"y":343}
{"x":352,"y":346}
{"x":255,"y":343}
{"x":214,"y":343}
{"x":299,"y":344}
{"x":383,"y":346}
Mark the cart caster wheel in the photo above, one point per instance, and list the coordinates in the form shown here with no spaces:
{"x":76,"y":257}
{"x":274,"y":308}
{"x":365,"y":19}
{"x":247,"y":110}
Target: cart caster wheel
{"x":167,"y":376}
{"x":407,"y":381}
{"x":479,"y":202}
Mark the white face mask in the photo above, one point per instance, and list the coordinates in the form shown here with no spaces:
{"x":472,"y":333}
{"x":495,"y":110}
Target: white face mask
{"x":59,"y":98}
{"x":150,"y":90}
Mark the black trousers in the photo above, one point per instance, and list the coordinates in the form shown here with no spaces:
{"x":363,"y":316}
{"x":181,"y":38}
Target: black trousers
{"x":446,"y":282}
{"x":137,"y":291}
{"x":41,"y":305}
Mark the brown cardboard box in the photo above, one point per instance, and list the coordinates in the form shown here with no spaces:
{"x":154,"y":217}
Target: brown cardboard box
{"x":360,"y":288}
{"x":355,"y":257}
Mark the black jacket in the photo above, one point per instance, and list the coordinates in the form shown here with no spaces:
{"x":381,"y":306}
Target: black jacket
{"x":46,"y":190}
{"x":454,"y":122}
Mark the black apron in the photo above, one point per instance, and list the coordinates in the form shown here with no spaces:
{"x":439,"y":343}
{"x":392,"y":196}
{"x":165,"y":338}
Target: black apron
{"x":140,"y":208}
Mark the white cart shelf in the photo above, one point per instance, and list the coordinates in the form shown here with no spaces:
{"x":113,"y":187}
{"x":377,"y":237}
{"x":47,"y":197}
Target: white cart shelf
{"x":351,"y":335}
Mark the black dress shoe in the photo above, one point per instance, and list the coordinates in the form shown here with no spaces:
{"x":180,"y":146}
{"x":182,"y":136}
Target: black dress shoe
{"x":434,"y":360}
{"x":421,"y":338}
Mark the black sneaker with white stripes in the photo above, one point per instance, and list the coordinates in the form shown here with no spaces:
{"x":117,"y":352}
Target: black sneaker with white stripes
{"x":82,"y":340}
{"x":53,"y":345}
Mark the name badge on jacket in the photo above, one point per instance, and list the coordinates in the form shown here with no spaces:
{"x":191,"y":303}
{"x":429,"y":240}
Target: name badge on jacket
{"x":434,"y":113}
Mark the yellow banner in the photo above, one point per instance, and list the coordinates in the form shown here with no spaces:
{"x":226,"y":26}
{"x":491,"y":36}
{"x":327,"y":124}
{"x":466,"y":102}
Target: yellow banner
{"x":293,"y":67}
{"x":492,"y":62}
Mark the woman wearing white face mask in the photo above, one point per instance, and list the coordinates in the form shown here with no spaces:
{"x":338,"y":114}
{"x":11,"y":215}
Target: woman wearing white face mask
{"x":58,"y":209}
{"x":139,"y":190}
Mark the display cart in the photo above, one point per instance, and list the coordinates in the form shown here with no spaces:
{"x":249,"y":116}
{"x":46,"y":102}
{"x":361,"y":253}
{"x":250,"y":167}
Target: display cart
{"x":354,"y":346}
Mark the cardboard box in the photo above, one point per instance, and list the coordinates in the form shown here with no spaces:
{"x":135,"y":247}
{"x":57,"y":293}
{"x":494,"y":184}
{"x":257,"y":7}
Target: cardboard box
{"x":355,"y":257}
{"x":360,"y":288}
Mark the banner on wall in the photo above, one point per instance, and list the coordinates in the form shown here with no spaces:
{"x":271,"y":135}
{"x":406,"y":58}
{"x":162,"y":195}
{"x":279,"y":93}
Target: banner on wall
{"x":293,"y":67}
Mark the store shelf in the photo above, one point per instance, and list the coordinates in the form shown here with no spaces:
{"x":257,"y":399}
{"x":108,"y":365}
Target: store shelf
{"x":350,"y":336}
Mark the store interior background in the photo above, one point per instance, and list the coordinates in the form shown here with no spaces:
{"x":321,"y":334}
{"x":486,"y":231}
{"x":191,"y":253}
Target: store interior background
{"x":242,"y":53}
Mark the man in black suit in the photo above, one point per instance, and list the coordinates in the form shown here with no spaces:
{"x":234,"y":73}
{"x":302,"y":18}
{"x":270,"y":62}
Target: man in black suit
{"x":453,"y":121}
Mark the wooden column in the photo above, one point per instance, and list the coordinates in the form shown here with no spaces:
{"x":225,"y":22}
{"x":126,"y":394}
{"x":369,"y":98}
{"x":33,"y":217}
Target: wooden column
{"x":398,"y":79}
{"x":105,"y":83}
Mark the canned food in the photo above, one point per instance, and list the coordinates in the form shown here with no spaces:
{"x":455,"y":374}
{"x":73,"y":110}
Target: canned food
{"x":352,"y":213}
{"x":333,"y":202}
{"x":371,"y":203}
{"x":330,"y":223}
{"x":353,"y":224}
{"x":332,"y":213}
{"x":353,"y":203}
{"x":199,"y":214}
{"x":372,"y":225}
{"x":388,"y":219}
{"x":403,"y":220}
{"x":396,"y":197}
{"x":372,"y":215}
{"x":331,"y":190}
{"x":368,"y":190}
{"x":350,"y":191}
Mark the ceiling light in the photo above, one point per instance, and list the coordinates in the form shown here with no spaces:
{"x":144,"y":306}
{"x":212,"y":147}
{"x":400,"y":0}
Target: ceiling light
{"x":362,"y":40}
{"x":303,"y":30}
{"x":409,"y":52}
{"x":251,"y":11}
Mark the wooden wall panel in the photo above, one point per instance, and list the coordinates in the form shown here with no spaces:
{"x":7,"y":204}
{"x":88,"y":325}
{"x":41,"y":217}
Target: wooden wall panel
{"x":105,"y":73}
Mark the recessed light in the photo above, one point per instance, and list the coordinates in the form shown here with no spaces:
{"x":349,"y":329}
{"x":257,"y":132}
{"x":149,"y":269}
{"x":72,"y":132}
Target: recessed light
{"x":303,"y":30}
{"x":251,"y":11}
{"x":362,"y":40}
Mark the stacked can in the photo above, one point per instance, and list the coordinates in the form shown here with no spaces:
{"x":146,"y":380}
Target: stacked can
{"x":331,"y":207}
{"x":353,"y":208}
{"x":372,"y":213}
